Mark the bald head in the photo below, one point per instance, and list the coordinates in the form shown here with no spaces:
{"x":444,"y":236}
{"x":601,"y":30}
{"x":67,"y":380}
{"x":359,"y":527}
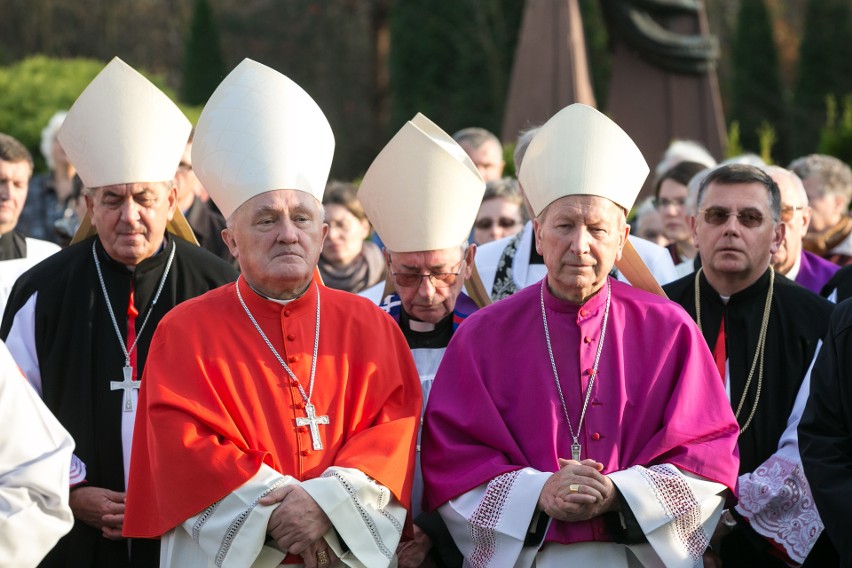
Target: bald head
{"x":795,"y":214}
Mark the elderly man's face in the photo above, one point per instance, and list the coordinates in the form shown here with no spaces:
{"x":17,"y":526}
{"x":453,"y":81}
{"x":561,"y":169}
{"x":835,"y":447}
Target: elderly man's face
{"x":277,"y":238}
{"x":131,"y":218}
{"x":487,"y":159}
{"x":580,"y":237}
{"x":14,"y":181}
{"x":421,"y":298}
{"x":827,"y":208}
{"x":795,"y":214}
{"x":736,"y":251}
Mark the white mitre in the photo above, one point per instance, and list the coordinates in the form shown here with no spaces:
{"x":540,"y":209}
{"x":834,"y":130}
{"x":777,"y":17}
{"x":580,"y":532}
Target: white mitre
{"x":260,"y":132}
{"x":123,"y":129}
{"x":422,"y":192}
{"x":580,"y":151}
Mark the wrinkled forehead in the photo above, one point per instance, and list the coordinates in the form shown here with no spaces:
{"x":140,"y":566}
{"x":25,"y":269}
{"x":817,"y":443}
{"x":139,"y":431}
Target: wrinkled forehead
{"x":737,"y":196}
{"x":282,"y":198}
{"x":20,"y":168}
{"x":135,"y":188}
{"x":428,"y":259}
{"x":587,"y":206}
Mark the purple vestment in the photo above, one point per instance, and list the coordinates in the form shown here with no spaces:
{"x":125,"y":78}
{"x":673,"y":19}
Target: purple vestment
{"x":815,"y":271}
{"x":494,"y":406}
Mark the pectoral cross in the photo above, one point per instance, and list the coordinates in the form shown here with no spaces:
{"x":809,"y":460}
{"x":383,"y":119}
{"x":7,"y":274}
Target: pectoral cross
{"x":312,"y":421}
{"x":575,"y":451}
{"x":128,"y":384}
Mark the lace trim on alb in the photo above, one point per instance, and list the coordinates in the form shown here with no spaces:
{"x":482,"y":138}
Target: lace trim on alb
{"x":202,"y":520}
{"x":365,"y":516}
{"x":504,"y":279}
{"x":487,"y":516}
{"x":679,"y":504}
{"x":237,"y":523}
{"x":776,"y":499}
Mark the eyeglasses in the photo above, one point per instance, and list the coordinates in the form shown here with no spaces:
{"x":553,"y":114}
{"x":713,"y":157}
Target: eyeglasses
{"x":663,"y":202}
{"x":751,"y":218}
{"x":487,"y":222}
{"x":438,"y":279}
{"x":787,"y":212}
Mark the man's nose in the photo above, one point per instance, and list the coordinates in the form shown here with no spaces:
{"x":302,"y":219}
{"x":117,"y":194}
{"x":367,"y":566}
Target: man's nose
{"x":129,"y":211}
{"x":5,"y":189}
{"x":580,"y":242}
{"x":426,"y":288}
{"x":732,"y":224}
{"x":287,"y":232}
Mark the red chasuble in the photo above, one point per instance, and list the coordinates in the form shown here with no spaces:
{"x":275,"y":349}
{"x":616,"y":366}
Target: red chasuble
{"x":215,"y":402}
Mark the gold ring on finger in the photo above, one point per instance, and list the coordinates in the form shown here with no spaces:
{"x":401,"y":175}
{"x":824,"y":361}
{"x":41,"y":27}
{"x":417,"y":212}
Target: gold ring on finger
{"x":574,"y":488}
{"x":322,"y":557}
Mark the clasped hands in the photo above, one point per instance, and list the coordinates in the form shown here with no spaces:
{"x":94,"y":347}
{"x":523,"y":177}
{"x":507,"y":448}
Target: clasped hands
{"x":100,"y":508}
{"x":298,"y":524}
{"x":578,"y":492}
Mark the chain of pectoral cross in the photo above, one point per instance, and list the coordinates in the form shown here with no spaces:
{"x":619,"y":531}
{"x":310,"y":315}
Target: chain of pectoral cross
{"x":128,"y":384}
{"x":312,"y":420}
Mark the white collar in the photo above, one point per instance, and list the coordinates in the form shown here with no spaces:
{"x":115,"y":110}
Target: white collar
{"x":420,"y":326}
{"x":793,"y":273}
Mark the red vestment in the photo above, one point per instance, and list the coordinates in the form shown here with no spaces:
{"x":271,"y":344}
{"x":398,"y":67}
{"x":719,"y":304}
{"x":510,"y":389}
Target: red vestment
{"x":215,"y":403}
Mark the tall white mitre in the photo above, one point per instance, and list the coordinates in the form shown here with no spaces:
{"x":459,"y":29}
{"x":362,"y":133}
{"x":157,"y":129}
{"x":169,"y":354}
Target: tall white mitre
{"x":260,"y":132}
{"x":123,"y":129}
{"x":580,"y":151}
{"x":422,"y":192}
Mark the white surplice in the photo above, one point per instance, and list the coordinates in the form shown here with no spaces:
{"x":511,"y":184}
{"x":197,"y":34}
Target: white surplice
{"x":37,"y":250}
{"x":656,"y":258}
{"x":776,"y":497}
{"x":22,"y":345}
{"x":35,"y":455}
{"x":232,"y":532}
{"x":676,"y":510}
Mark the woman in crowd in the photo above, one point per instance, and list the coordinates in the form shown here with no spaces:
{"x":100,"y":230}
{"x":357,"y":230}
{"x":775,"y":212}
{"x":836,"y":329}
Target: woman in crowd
{"x":348,"y":262}
{"x":501,"y":213}
{"x":50,"y":195}
{"x":671,"y":194}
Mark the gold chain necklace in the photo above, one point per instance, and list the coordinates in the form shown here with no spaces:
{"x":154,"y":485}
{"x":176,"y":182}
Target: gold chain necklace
{"x":758,"y":355}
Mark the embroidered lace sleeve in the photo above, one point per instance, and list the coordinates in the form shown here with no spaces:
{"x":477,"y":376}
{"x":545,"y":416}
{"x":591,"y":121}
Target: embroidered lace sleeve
{"x":776,"y":498}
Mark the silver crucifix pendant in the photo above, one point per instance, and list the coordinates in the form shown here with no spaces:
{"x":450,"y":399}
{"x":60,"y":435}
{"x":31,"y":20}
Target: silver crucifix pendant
{"x":128,"y":384}
{"x":575,"y":451}
{"x":312,"y":422}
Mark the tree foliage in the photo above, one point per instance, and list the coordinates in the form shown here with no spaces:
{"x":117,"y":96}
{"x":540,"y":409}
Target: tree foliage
{"x":836,"y":137}
{"x":452,"y":60}
{"x":203,"y":64}
{"x":35,"y":88}
{"x":825,"y":68}
{"x":597,"y":47}
{"x":757,"y":94}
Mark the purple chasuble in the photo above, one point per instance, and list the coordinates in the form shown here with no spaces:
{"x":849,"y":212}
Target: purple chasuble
{"x":494,"y":407}
{"x":815,"y":271}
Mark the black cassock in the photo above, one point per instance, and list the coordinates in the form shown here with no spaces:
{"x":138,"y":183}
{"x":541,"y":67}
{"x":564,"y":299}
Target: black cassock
{"x":12,"y":246}
{"x":825,"y":432}
{"x":798,"y":321}
{"x":840,"y":282}
{"x":79,"y":354}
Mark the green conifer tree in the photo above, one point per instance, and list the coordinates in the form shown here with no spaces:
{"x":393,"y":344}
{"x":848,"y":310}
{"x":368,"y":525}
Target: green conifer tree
{"x":203,"y":64}
{"x":824,"y":68}
{"x":756,"y":90}
{"x":452,"y":60}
